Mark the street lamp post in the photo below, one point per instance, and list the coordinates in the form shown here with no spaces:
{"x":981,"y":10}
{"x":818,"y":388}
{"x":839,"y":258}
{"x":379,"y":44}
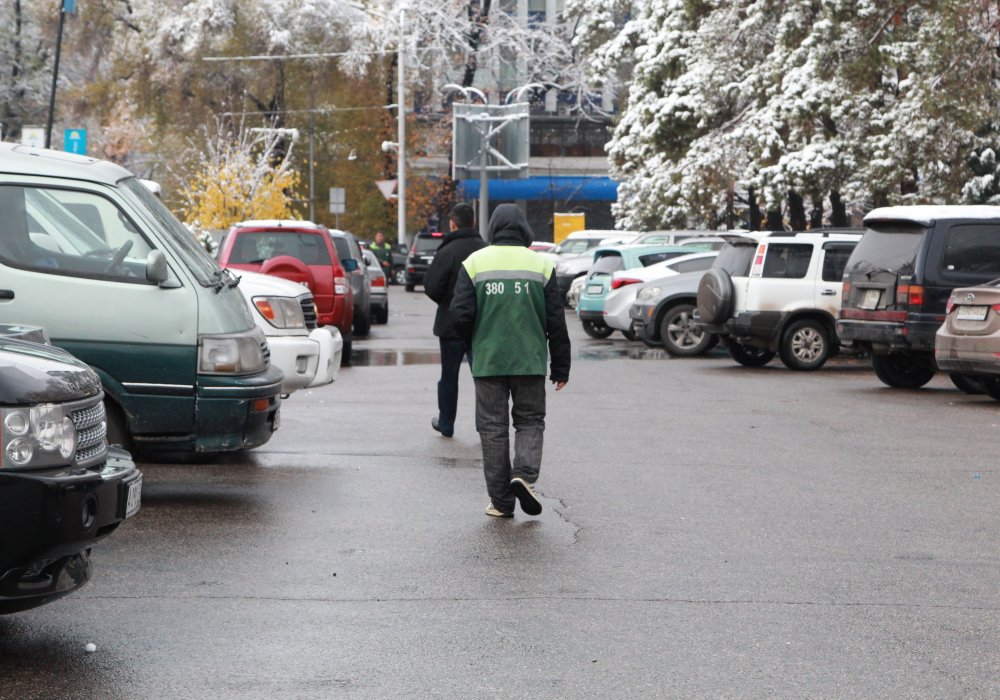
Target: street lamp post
{"x":401,"y":132}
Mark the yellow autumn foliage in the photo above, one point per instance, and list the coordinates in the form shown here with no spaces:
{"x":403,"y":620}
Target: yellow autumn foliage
{"x":221,"y":196}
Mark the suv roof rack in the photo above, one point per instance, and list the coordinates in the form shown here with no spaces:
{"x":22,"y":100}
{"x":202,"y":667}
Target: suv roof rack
{"x":824,"y":232}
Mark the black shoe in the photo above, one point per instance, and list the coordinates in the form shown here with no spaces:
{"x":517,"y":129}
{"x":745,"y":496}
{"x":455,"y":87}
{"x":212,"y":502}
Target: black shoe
{"x":526,"y":496}
{"x":445,"y":433}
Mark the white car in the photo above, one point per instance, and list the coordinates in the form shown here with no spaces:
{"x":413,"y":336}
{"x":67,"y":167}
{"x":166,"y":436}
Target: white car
{"x":625,"y":284}
{"x":285,"y":311}
{"x":779,"y":294}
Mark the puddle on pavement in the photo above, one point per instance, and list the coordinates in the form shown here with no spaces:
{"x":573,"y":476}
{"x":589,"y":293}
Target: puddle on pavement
{"x":364,"y":357}
{"x":619,"y":351}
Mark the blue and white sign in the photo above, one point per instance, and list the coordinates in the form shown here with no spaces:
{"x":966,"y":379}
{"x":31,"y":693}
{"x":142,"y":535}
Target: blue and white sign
{"x":75,"y":141}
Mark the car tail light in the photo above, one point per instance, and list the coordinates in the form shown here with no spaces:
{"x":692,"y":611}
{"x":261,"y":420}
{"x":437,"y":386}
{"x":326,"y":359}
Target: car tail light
{"x":623,"y":281}
{"x":910,"y":295}
{"x":437,"y":234}
{"x":950,"y":305}
{"x":845,"y":294}
{"x":996,"y":308}
{"x":378,"y":282}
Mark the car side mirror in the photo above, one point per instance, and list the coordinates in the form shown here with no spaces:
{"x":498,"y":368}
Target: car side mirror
{"x":350,"y":265}
{"x":156,"y":267}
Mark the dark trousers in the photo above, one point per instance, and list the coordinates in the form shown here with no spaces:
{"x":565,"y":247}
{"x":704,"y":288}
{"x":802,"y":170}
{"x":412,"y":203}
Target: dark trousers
{"x":493,"y":413}
{"x":452,"y":352}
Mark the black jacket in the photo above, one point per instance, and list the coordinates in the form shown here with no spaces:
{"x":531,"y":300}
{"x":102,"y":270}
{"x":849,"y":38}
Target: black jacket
{"x":439,"y":281}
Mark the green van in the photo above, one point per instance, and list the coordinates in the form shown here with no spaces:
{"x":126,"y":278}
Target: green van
{"x":88,"y":252}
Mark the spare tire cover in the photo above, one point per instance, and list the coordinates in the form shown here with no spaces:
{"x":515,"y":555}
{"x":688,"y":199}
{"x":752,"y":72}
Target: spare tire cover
{"x":715,"y":296}
{"x":289,"y":268}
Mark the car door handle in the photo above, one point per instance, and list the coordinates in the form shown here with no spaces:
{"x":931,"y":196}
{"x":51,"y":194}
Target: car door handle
{"x":828,"y":292}
{"x":6,"y":294}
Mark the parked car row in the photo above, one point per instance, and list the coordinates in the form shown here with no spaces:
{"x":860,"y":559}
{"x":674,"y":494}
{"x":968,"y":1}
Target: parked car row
{"x":917,"y":289}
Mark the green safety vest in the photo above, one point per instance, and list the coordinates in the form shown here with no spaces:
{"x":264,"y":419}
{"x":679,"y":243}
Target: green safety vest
{"x":510,"y":335}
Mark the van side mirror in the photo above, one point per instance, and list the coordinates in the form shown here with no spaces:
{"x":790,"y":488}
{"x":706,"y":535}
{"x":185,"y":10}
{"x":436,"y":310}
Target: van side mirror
{"x":350,"y":265}
{"x":156,"y":267}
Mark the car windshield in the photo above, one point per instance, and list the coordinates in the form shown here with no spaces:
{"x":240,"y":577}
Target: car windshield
{"x":608,"y":263}
{"x":889,"y":250}
{"x":736,"y":259}
{"x":199,"y":262}
{"x":576,"y":246}
{"x":428,"y":245}
{"x":254,"y":247}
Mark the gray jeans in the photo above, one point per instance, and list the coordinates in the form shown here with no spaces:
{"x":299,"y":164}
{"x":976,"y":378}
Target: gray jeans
{"x":493,"y":396}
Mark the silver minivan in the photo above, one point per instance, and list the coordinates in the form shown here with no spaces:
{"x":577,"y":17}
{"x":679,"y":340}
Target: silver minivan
{"x":88,"y":252}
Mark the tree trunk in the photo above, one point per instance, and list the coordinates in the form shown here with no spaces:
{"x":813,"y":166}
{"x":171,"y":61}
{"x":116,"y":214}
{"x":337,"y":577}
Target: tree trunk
{"x":478,"y":17}
{"x":753,"y":215}
{"x":816,"y":215}
{"x":775,"y":222}
{"x":838,"y":213}
{"x":796,"y":211}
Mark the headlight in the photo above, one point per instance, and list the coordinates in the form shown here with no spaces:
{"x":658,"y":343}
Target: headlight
{"x":36,"y":436}
{"x":280,"y":312}
{"x":238,"y":353}
{"x":648,"y":293}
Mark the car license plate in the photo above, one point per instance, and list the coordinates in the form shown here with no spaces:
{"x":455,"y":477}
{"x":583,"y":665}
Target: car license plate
{"x":871,"y":298}
{"x":972,"y":313}
{"x":133,"y":498}
{"x":594,"y":289}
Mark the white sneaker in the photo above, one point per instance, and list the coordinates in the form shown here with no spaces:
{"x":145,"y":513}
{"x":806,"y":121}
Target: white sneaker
{"x":526,"y":496}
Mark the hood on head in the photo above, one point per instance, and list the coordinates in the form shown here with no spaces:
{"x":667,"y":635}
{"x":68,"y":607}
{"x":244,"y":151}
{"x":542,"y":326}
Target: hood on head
{"x":509,"y":224}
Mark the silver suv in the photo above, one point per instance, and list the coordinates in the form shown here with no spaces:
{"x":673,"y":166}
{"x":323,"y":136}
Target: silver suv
{"x":785,"y":302}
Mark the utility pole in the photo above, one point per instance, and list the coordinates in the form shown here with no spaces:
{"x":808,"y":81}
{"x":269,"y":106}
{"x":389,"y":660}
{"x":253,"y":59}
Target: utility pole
{"x":65,"y":7}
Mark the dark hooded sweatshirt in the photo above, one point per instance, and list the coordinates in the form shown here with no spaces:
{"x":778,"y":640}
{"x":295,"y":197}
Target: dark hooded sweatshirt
{"x":507,"y":307}
{"x":439,"y":282}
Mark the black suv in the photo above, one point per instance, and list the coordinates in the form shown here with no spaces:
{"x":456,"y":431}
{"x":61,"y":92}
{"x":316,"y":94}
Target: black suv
{"x":898,"y":280}
{"x":422,"y":251}
{"x":62,"y":488}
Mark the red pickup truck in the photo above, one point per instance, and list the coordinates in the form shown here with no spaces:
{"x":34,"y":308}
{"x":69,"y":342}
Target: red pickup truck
{"x":300,"y":251}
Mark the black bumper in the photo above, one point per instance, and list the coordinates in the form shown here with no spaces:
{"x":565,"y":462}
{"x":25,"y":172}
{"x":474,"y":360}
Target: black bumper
{"x":757,"y":328}
{"x":888,"y":336}
{"x":643,"y":316}
{"x":49,"y":519}
{"x":591,"y":315}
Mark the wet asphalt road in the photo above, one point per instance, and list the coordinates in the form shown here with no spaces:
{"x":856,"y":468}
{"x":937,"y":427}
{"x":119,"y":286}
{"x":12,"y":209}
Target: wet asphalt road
{"x":709,"y":531}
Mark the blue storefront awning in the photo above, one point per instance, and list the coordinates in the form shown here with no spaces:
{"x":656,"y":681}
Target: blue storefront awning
{"x":592,"y":189}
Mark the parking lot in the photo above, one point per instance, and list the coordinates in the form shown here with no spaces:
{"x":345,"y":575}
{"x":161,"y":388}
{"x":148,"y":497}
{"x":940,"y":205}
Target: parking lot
{"x":709,"y":531}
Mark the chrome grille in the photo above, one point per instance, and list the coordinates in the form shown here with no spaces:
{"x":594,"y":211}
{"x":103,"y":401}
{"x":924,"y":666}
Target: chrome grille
{"x":309,"y":311}
{"x":91,"y":430}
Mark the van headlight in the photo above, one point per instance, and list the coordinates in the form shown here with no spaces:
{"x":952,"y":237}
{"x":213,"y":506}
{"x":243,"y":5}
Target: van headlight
{"x":280,"y":312}
{"x":233,"y":353}
{"x":36,"y":436}
{"x":648,"y":293}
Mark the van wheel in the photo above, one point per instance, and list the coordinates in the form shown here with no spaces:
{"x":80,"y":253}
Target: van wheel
{"x":968,"y":383}
{"x":805,"y":345}
{"x":680,"y":336}
{"x":902,"y":371}
{"x":118,"y":432}
{"x":597,"y":329}
{"x":749,"y":355}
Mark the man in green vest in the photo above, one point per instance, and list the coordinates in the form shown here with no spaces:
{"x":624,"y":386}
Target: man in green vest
{"x":508,"y":310}
{"x":383,"y":251}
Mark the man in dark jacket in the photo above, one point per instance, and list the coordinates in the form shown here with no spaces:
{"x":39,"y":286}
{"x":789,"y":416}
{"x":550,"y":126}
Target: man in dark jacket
{"x":439,"y":284}
{"x":508,"y":309}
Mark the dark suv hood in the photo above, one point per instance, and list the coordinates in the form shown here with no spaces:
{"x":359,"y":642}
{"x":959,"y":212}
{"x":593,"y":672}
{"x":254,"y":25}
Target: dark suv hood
{"x":32,"y":373}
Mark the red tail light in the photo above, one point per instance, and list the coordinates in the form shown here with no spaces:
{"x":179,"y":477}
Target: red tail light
{"x":622,"y":281}
{"x":996,"y":307}
{"x":378,"y":282}
{"x":949,"y":306}
{"x":845,"y":294}
{"x":909,"y":295}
